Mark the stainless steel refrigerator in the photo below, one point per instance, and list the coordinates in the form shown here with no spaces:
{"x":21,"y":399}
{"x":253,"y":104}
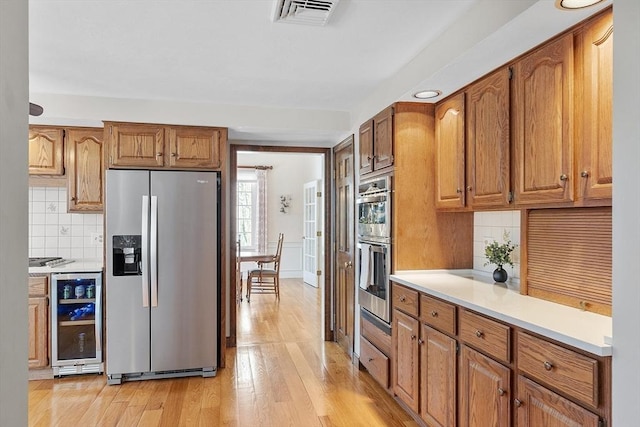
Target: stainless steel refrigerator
{"x":162,"y":276}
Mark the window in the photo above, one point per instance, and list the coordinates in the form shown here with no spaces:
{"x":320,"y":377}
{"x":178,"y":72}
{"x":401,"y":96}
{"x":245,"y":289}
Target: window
{"x":247,"y":211}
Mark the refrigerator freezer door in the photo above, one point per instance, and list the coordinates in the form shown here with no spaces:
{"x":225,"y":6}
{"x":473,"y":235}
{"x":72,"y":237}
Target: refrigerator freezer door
{"x":184,"y":323}
{"x":127,"y":321}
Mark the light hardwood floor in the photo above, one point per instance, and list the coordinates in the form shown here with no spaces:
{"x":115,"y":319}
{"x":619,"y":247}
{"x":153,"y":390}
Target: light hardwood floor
{"x":281,"y":374}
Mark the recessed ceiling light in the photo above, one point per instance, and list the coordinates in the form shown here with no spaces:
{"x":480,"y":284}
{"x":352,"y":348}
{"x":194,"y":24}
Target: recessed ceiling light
{"x":427,"y":94}
{"x":575,"y":4}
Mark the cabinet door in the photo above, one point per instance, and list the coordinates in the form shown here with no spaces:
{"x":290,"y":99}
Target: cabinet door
{"x":405,"y":359}
{"x":484,"y":391}
{"x":538,"y":406}
{"x":488,"y":153}
{"x":46,"y":150}
{"x":38,"y":332}
{"x":543,"y":124}
{"x":195,"y":147}
{"x":595,"y":162}
{"x":438,"y":378}
{"x":450,"y":153}
{"x":135,"y":145}
{"x":383,"y":139}
{"x":85,"y":170}
{"x":366,"y":147}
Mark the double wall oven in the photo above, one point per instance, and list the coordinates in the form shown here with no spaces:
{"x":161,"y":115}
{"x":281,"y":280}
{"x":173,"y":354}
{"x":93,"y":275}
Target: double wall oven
{"x":374,"y":245}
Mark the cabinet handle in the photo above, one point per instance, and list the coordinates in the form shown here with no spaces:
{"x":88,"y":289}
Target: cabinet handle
{"x":501,"y":391}
{"x":564,"y":177}
{"x":479,"y":333}
{"x":434,"y":313}
{"x":517,"y":402}
{"x":403,"y":298}
{"x":548,"y":366}
{"x":420,"y":341}
{"x":584,"y":174}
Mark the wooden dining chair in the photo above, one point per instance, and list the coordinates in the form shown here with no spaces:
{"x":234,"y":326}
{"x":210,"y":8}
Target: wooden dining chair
{"x":266,"y":280}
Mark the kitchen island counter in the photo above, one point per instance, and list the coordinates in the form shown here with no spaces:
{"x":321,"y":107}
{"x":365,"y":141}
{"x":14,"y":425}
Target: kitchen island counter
{"x":581,"y":329}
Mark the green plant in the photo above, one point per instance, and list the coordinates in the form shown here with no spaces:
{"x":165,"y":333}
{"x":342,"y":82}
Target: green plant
{"x":500,"y":253}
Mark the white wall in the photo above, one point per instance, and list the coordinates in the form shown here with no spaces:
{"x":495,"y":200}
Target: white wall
{"x":289,"y":174}
{"x":14,"y":93}
{"x":626,"y":213}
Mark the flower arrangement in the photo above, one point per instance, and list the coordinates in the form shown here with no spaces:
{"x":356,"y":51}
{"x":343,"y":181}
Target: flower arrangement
{"x":500,"y":253}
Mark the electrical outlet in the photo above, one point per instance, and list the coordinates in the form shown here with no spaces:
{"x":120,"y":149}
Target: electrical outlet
{"x":96,"y":238}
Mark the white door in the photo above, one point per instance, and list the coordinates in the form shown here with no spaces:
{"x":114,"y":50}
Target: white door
{"x":312,"y":230}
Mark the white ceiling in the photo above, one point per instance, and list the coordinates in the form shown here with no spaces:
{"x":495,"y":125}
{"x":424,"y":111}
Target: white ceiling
{"x":225,"y":63}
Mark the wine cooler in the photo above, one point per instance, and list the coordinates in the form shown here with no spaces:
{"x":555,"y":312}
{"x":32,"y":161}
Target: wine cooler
{"x":76,"y":323}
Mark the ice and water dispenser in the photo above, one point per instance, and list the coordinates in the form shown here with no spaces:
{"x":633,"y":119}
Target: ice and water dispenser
{"x":127,"y":255}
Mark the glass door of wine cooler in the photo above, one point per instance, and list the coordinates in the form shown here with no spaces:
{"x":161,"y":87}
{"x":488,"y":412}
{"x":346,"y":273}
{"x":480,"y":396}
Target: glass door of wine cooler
{"x":76,"y":323}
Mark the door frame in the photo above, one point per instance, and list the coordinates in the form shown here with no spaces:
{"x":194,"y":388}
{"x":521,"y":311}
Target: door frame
{"x":328,"y":230}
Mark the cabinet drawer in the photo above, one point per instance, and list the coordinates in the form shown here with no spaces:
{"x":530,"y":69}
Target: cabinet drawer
{"x":487,"y":335}
{"x":405,"y":299}
{"x":559,"y":367}
{"x":439,"y":314}
{"x":38,"y":286}
{"x":376,"y":363}
{"x":375,"y":336}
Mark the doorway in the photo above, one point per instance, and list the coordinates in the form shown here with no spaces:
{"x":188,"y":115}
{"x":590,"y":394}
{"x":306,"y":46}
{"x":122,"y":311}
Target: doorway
{"x":282,"y":200}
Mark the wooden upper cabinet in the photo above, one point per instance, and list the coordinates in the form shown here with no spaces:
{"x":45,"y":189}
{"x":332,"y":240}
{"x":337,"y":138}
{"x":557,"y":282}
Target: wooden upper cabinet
{"x":543,"y":124}
{"x":450,"y":155}
{"x":194,"y":147}
{"x":595,"y":171}
{"x":46,"y":148}
{"x":85,"y":169}
{"x":376,"y":142}
{"x":488,"y":139}
{"x":135,"y":145}
{"x":366,"y":147}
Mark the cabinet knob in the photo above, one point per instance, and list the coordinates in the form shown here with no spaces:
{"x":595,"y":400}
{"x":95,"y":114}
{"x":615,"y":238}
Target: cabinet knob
{"x":517,"y":402}
{"x":413,"y":337}
{"x":420,"y":341}
{"x":458,"y":190}
{"x":434,"y":313}
{"x":371,"y":359}
{"x":564,"y":177}
{"x":348,"y":264}
{"x":479,"y":333}
{"x":548,"y":366}
{"x":73,"y":198}
{"x":501,"y":391}
{"x":403,"y":298}
{"x":158,"y":154}
{"x":173,"y":154}
{"x":584,"y":174}
{"x":469,"y":188}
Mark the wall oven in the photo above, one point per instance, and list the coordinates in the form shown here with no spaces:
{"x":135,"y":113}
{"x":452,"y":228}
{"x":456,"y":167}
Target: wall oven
{"x":374,"y":246}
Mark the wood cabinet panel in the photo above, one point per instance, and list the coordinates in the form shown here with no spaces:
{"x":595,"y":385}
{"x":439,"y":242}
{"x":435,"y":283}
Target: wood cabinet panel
{"x":488,"y":141}
{"x":38,"y":286}
{"x":365,"y":142}
{"x":85,"y":169}
{"x":135,"y":145}
{"x":46,"y":149}
{"x":543,"y":124}
{"x":405,"y":356}
{"x":595,"y":170}
{"x":485,"y":334}
{"x":538,"y":406}
{"x":405,"y":299}
{"x":438,"y":378}
{"x":38,"y":332}
{"x":439,"y":314}
{"x":568,"y":371}
{"x":450,"y":152}
{"x":485,"y":396}
{"x":194,"y":147}
{"x":383,"y":139}
{"x":376,"y":336}
{"x":376,"y":362}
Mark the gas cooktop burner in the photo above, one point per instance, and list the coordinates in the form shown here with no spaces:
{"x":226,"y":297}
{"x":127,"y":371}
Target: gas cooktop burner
{"x":48,"y":261}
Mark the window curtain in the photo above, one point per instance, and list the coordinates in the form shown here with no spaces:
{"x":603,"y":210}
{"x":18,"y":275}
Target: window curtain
{"x":261,"y":223}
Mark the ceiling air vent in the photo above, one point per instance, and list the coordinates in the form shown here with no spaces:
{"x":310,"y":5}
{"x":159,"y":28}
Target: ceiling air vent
{"x":305,"y":12}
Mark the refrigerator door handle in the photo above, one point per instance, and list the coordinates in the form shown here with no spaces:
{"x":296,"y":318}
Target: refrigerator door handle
{"x":154,"y":251}
{"x":145,"y":251}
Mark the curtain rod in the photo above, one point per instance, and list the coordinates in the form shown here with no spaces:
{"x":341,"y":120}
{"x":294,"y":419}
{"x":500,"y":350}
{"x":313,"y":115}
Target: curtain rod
{"x":259,"y":167}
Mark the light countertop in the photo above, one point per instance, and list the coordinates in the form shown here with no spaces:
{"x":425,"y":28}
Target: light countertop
{"x":581,"y":329}
{"x":77,"y":266}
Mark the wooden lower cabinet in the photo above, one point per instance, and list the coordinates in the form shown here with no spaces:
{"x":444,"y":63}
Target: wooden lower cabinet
{"x":484,"y":391}
{"x":438,"y":378}
{"x":38,"y":315}
{"x":539,"y":406}
{"x":406,"y":379}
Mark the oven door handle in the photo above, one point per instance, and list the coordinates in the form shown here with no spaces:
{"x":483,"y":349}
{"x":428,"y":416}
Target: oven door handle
{"x":372,"y":198}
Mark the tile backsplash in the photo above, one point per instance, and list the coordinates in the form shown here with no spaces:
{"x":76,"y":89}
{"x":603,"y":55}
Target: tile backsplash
{"x":490,"y":226}
{"x":54,"y":232}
